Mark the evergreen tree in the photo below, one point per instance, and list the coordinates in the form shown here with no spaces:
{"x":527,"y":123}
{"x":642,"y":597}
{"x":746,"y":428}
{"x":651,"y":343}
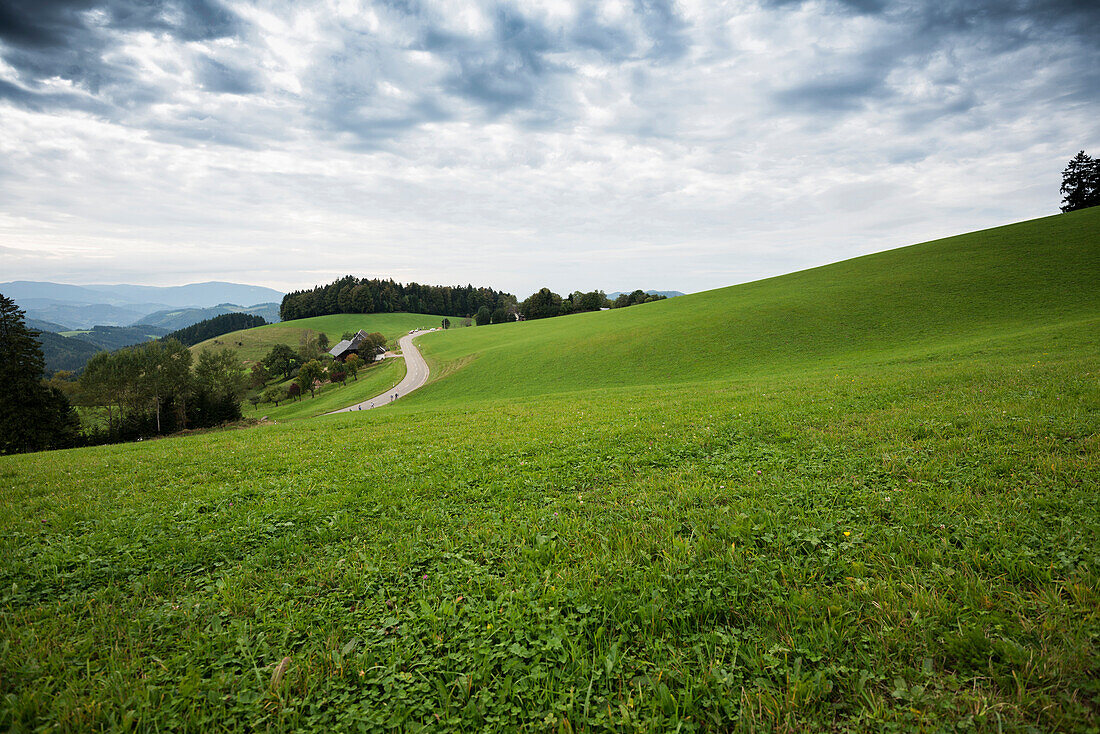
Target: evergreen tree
{"x":34,"y":416}
{"x":1081,"y":183}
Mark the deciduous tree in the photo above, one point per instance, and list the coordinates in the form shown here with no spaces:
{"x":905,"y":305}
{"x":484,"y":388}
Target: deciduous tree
{"x":165,"y":369}
{"x":281,"y":360}
{"x":308,"y":347}
{"x":352,"y":364}
{"x":220,"y":383}
{"x":543,"y":304}
{"x":258,"y":375}
{"x":308,"y":376}
{"x":274,"y":394}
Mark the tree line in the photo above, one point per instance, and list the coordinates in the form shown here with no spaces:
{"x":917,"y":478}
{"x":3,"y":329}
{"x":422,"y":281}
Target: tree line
{"x":360,"y":295}
{"x":546,"y":304}
{"x":216,"y":326}
{"x":159,"y":387}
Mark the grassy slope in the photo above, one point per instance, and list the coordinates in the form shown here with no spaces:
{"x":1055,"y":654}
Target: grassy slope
{"x":888,"y":306}
{"x":819,"y":530}
{"x":253,"y":344}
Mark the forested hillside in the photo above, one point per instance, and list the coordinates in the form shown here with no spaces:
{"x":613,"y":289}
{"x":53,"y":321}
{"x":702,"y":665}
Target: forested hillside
{"x":354,"y":295}
{"x":210,"y":328}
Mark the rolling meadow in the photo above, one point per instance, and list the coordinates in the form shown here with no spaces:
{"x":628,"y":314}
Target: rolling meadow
{"x":861,"y":497}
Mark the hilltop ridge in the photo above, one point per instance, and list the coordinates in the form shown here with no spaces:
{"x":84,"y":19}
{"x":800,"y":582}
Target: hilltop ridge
{"x":914,"y":300}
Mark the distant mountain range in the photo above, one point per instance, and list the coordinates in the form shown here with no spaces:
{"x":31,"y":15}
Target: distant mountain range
{"x":195,"y":295}
{"x":173,"y":319}
{"x":612,"y":296}
{"x":77,"y":307}
{"x":73,"y":316}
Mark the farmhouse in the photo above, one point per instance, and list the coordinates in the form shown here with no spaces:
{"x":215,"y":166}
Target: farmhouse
{"x":358,"y":344}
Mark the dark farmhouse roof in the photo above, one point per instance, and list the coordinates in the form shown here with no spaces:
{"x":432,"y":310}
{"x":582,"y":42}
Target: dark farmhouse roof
{"x":341,"y":348}
{"x":347,"y":346}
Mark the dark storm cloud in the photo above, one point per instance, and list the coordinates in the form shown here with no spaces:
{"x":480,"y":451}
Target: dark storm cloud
{"x":858,"y":7}
{"x":39,"y":24}
{"x":67,"y":39}
{"x":502,"y":73}
{"x":512,"y":69}
{"x":1013,"y":21}
{"x":915,"y":32}
{"x":55,"y":23}
{"x":521,"y":65}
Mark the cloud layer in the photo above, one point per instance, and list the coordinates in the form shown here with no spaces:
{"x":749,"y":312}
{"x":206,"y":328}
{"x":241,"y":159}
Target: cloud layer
{"x":576,"y":145}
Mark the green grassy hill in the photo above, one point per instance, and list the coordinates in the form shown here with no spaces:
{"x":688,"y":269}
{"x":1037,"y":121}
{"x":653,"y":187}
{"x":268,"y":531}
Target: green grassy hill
{"x":857,"y":498}
{"x":950,"y":294}
{"x":253,"y":344}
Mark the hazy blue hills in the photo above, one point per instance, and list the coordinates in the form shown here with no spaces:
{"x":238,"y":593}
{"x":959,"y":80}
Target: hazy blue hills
{"x":616,"y":294}
{"x":73,"y":307}
{"x":69,"y":315}
{"x":193,"y":295}
{"x":173,"y":319}
{"x":40,"y":325}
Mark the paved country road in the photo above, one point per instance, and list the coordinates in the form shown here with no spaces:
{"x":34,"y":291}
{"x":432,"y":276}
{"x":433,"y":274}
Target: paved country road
{"x":416,"y":374}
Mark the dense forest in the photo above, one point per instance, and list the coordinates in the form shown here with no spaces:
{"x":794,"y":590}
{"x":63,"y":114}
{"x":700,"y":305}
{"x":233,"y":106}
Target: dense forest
{"x":354,"y":295}
{"x":210,"y":328}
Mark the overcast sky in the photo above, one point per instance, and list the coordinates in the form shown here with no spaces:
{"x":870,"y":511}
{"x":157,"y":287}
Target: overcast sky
{"x":577,"y":145}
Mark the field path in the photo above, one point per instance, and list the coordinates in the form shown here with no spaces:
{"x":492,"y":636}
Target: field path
{"x":416,"y":374}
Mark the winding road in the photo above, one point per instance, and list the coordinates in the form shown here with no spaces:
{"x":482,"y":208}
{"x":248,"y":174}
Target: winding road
{"x":416,"y":374}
